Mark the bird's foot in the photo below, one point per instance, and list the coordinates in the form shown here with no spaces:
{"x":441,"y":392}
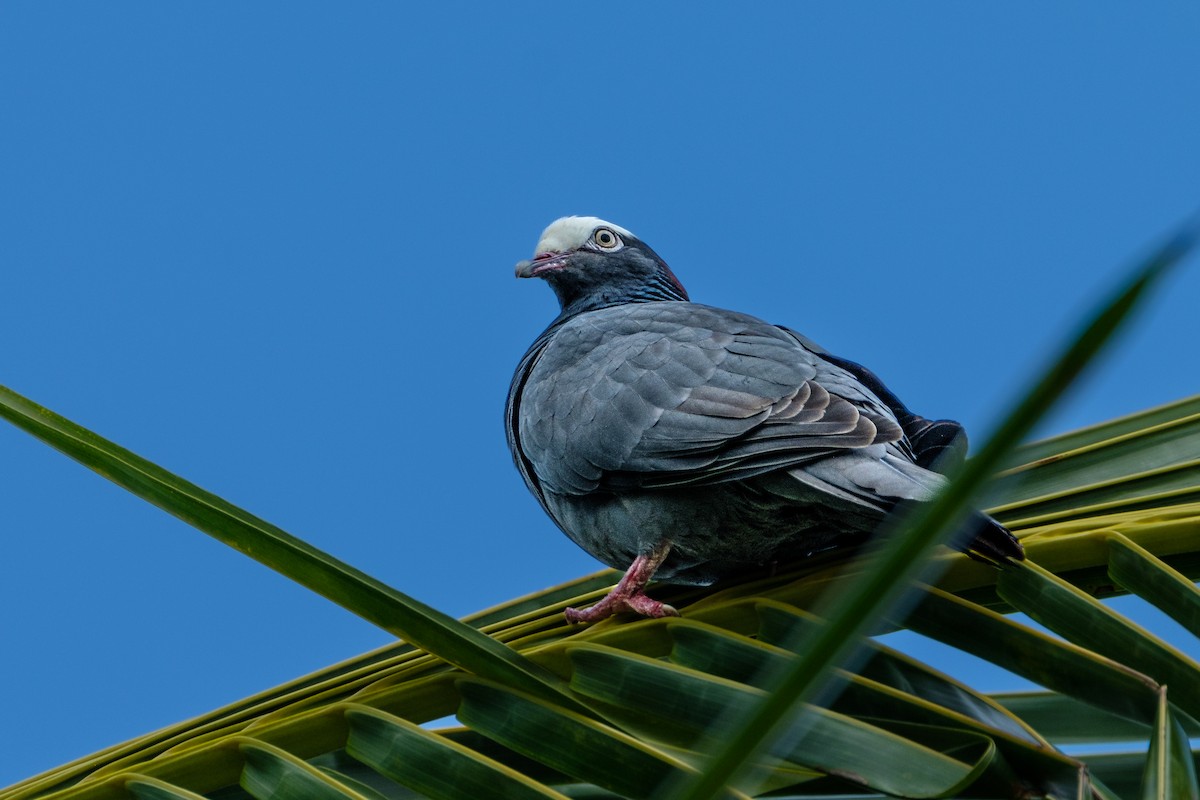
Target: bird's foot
{"x":629,"y":594}
{"x":614,"y":604}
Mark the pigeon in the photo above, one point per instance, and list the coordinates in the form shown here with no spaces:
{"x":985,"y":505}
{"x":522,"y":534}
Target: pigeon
{"x":687,"y":443}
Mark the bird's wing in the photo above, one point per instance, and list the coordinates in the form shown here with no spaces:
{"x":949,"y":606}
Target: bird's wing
{"x":670,"y":394}
{"x":939,"y":444}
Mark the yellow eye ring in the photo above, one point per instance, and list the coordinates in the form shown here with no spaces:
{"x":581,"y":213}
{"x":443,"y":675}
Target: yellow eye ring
{"x":606,"y":239}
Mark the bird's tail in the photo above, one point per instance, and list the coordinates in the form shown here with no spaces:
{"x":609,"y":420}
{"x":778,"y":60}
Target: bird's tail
{"x":984,"y":539}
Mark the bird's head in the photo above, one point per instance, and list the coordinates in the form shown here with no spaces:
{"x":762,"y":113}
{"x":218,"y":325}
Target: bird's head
{"x":590,"y":263}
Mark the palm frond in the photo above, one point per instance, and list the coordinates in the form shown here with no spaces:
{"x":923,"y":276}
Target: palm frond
{"x":649,"y":689}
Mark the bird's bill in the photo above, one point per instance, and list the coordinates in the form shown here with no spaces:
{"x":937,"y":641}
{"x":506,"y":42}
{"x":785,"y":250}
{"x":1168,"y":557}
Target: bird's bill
{"x":541,"y":264}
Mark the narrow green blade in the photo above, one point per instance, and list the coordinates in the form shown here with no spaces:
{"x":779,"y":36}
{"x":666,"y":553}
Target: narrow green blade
{"x":689,"y":708}
{"x":395,"y":791}
{"x":1170,"y":769}
{"x":1153,"y":488}
{"x":274,"y":774}
{"x":748,"y":661}
{"x":433,"y":764}
{"x":1064,"y":667}
{"x":144,"y":788}
{"x":1154,"y":581}
{"x":572,"y":744}
{"x":1169,"y":444}
{"x":395,"y":612}
{"x":1055,"y":446}
{"x":1065,"y":720}
{"x":1084,"y":620}
{"x":895,"y":669}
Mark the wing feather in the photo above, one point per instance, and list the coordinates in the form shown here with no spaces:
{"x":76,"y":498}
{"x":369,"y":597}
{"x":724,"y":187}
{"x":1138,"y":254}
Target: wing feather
{"x":674,"y":393}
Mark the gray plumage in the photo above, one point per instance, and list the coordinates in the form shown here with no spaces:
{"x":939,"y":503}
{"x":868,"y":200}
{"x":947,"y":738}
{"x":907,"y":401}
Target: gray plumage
{"x":641,"y":420}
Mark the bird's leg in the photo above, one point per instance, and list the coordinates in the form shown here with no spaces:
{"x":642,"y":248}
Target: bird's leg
{"x":629,"y":594}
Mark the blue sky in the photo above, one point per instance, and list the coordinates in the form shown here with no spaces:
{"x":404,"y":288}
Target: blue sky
{"x":269,"y":246}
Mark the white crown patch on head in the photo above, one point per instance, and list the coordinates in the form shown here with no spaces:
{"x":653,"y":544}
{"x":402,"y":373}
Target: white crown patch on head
{"x":570,"y":233}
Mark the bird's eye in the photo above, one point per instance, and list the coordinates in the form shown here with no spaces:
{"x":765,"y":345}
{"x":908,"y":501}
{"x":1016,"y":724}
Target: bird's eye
{"x":606,"y":239}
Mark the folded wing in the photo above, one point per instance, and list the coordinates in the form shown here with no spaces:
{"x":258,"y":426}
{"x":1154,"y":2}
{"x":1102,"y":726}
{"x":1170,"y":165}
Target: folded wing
{"x":677,"y":394}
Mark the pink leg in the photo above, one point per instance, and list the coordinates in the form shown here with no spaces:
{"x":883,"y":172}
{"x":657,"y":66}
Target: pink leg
{"x":629,"y":594}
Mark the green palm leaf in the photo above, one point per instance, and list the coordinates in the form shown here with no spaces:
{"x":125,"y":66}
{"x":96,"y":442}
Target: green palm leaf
{"x":724,"y":640}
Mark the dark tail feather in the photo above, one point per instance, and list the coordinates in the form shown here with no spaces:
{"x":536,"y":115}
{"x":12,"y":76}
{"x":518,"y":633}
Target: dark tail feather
{"x":986,"y":540}
{"x":938,"y":444}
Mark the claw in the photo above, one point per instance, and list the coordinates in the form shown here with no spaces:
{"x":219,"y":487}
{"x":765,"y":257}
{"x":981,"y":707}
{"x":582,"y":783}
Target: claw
{"x":629,"y":594}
